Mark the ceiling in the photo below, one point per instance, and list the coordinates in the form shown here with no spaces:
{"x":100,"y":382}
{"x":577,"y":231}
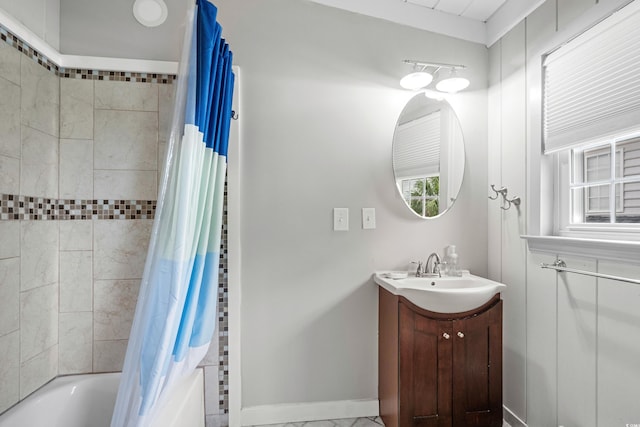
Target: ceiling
{"x":479,"y":21}
{"x":480,"y":10}
{"x":108,"y":28}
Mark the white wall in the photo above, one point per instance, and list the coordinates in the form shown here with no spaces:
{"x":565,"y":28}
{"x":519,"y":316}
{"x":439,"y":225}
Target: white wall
{"x":320,"y":99}
{"x":42,"y":17}
{"x":569,"y":340}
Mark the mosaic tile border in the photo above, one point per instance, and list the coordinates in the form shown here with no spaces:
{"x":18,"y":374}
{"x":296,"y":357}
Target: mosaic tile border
{"x":16,"y":207}
{"x":116,"y":76}
{"x":75,"y":73}
{"x":223,"y":314}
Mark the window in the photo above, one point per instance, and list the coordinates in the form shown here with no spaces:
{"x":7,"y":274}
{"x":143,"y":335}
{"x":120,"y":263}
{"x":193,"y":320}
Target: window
{"x":422,"y":195}
{"x":605,"y":183}
{"x":591,"y":127}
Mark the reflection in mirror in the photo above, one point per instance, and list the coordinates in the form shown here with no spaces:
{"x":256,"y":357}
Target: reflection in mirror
{"x":428,"y":156}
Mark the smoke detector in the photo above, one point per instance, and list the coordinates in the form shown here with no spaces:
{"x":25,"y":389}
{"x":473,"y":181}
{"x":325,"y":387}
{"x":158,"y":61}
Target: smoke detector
{"x":150,"y":13}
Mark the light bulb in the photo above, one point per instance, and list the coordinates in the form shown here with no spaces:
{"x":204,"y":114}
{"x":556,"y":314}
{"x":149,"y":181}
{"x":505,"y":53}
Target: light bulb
{"x":452,"y":84}
{"x":417,"y":80}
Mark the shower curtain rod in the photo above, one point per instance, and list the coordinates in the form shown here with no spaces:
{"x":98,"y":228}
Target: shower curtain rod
{"x":561,"y":266}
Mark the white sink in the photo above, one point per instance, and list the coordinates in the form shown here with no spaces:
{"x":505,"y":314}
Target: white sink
{"x":442,"y":294}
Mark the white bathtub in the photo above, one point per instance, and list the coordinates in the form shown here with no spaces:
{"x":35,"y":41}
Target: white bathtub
{"x":88,"y":400}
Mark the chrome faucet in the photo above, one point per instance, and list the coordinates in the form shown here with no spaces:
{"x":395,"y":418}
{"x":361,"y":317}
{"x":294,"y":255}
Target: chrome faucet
{"x":432,"y":266}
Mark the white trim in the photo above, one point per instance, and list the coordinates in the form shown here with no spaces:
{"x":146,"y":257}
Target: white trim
{"x":315,"y":411}
{"x":510,"y":14}
{"x":611,"y":250}
{"x":28,"y":36}
{"x":118,"y":64}
{"x":512,"y":419}
{"x":234,"y":296}
{"x":84,"y":62}
{"x":415,"y":16}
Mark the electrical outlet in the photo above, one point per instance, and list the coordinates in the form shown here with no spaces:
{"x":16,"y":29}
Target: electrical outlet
{"x":341,"y":219}
{"x":368,"y":218}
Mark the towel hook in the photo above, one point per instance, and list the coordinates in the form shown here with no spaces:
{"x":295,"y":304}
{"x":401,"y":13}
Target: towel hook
{"x":505,"y":200}
{"x":502,"y":192}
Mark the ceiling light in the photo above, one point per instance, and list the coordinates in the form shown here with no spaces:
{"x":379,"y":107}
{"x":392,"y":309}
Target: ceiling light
{"x":453,"y":83}
{"x":417,"y":80}
{"x":150,"y":13}
{"x":424,"y":72}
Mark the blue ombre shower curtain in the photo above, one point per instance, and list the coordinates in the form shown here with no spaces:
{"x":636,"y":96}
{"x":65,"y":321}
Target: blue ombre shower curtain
{"x":176,"y":313}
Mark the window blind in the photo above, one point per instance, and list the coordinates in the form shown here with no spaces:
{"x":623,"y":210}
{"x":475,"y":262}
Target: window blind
{"x":592,"y":83}
{"x":416,"y":147}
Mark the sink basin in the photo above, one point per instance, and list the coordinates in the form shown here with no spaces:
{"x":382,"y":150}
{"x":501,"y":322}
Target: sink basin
{"x":442,"y":294}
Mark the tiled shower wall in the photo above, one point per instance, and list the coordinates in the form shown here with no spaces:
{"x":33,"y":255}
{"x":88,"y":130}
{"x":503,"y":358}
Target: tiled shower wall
{"x":80,"y":157}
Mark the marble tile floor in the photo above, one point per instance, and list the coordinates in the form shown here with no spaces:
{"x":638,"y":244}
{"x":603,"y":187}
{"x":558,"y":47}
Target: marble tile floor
{"x":346,"y":422}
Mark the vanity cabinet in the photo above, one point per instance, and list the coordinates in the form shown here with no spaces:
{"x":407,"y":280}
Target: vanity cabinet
{"x":439,"y":370}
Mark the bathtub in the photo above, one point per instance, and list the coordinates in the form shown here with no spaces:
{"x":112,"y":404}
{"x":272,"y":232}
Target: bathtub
{"x":88,"y":400}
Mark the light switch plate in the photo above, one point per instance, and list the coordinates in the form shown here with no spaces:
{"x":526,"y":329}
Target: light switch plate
{"x":341,"y":219}
{"x":368,"y":218}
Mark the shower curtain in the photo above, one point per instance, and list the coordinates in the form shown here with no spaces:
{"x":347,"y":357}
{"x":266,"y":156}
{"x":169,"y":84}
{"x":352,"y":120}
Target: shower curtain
{"x":176,"y":313}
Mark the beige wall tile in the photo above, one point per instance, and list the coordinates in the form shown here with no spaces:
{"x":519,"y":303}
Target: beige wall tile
{"x":39,"y":254}
{"x":9,"y":175}
{"x":76,"y":235}
{"x":114,"y":307}
{"x":211,"y":390}
{"x":76,"y":281}
{"x":120,"y":248}
{"x":40,"y":97}
{"x":9,"y":295}
{"x":76,"y":343}
{"x":126,"y":96}
{"x":10,"y":63}
{"x":39,"y":164}
{"x":9,"y":119}
{"x":162,"y":160}
{"x":108,"y":356}
{"x":36,"y":372}
{"x":112,"y":184}
{"x":76,"y":109}
{"x":9,"y":370}
{"x":165,"y":110}
{"x":38,"y":320}
{"x":10,"y":236}
{"x":126,"y":140}
{"x":76,"y":169}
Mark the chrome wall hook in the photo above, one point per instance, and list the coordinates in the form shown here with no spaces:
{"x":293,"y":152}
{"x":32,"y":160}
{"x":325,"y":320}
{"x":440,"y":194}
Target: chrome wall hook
{"x":506,"y":201}
{"x":502,"y":192}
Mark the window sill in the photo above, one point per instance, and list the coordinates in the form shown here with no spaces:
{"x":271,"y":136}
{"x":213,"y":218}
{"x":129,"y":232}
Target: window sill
{"x":612,"y":250}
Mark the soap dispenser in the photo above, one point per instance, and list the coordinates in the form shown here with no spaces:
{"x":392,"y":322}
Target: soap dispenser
{"x":451,"y":257}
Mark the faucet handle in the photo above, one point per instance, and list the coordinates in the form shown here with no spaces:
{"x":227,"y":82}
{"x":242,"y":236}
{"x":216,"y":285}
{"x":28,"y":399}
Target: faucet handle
{"x":419,"y":270}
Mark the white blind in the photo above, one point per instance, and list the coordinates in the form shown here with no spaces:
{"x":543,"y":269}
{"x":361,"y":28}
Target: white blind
{"x":592,"y":83}
{"x":416,"y":147}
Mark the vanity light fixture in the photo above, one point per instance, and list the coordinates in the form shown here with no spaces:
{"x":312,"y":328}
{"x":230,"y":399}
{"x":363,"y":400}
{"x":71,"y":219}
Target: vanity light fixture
{"x":150,"y":13}
{"x":419,"y":78}
{"x":453,"y":83}
{"x":423,"y":74}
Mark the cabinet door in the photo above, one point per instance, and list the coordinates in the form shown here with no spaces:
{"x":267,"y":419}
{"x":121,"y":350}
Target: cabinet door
{"x":477,"y":369}
{"x":425,"y":370}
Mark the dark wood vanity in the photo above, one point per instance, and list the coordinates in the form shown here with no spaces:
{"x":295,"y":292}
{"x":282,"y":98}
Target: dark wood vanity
{"x":436,"y":369}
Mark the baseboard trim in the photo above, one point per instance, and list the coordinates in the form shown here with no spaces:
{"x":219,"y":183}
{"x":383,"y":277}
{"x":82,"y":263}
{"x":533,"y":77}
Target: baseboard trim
{"x":512,"y":418}
{"x":314,"y":411}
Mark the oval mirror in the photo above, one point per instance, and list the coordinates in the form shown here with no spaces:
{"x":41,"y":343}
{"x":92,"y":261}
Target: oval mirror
{"x":428,"y":156}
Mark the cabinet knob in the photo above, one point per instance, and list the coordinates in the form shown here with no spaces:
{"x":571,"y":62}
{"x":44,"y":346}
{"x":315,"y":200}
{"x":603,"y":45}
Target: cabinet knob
{"x":460,"y":334}
{"x":446,"y":336}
